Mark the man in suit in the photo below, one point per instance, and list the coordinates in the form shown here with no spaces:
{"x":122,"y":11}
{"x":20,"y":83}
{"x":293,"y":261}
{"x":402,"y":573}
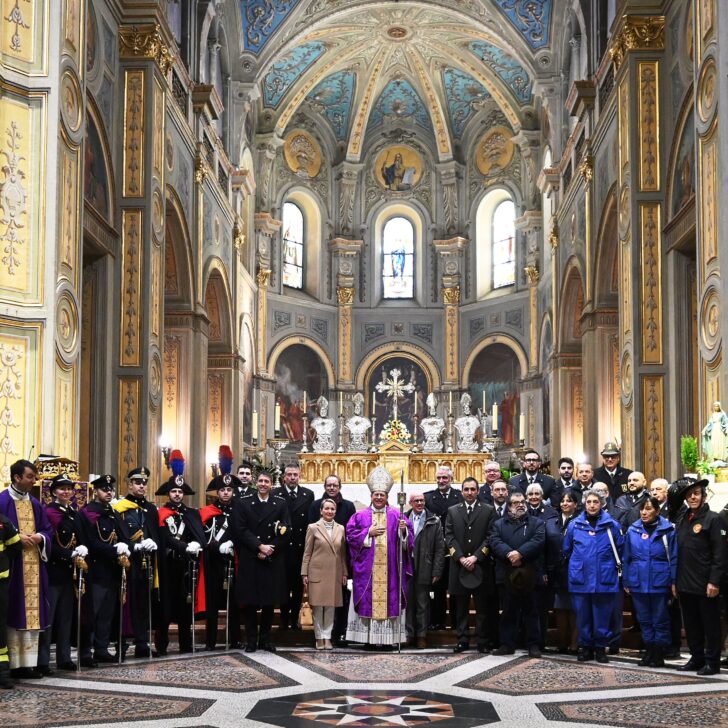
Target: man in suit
{"x":438,"y":501}
{"x":492,"y":473}
{"x":530,"y":474}
{"x":345,"y":509}
{"x":429,"y":561}
{"x":628,"y":505}
{"x":245,"y":485}
{"x":261,"y":526}
{"x":566,"y":474}
{"x":499,"y":491}
{"x":298,"y":500}
{"x":612,"y":473}
{"x":584,"y":479}
{"x":467,"y":534}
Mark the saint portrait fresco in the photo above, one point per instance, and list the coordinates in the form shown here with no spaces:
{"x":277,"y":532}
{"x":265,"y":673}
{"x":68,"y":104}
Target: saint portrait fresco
{"x":398,"y":168}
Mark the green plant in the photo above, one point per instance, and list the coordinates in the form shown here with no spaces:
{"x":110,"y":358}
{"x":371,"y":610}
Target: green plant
{"x":705,"y":467}
{"x":689,"y":452}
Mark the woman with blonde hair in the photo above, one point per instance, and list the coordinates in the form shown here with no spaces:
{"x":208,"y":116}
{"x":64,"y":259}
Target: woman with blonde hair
{"x":324,"y":571}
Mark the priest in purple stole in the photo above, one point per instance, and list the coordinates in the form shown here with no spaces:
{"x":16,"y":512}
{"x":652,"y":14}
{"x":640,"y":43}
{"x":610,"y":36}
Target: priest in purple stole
{"x":376,"y":536}
{"x":28,"y":589}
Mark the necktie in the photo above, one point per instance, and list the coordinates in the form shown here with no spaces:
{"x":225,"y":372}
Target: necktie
{"x":470,"y":511}
{"x":530,"y":479}
{"x":292,"y":493}
{"x":500,"y":511}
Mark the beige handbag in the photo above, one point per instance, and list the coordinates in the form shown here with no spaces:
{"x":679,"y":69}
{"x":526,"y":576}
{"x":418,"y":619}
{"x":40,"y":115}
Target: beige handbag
{"x":305,"y":616}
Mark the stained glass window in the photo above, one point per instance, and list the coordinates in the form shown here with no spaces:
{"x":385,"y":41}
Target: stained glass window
{"x":504,"y":243}
{"x":398,"y":258}
{"x":292,"y":245}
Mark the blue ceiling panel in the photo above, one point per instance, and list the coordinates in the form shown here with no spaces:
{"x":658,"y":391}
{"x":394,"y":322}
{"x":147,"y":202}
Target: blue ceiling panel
{"x":288,"y":69}
{"x":532,"y":19}
{"x":464,"y":96}
{"x":510,"y":71}
{"x":261,"y":19}
{"x":399,"y":100}
{"x":334,"y":97}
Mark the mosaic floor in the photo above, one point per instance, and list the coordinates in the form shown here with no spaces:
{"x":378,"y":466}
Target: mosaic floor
{"x":302,"y":689}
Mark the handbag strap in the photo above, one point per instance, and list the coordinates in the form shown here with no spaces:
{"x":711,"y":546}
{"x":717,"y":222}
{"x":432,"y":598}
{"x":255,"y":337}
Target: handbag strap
{"x":614,"y":550}
{"x":667,"y":549}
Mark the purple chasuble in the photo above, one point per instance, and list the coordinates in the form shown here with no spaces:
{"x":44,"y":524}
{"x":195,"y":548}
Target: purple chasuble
{"x":16,"y":593}
{"x":362,"y":561}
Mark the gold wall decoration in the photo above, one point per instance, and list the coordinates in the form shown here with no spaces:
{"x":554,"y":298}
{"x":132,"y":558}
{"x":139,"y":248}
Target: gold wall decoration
{"x":302,"y":154}
{"x":134,"y":133}
{"x":145,"y":42}
{"x":66,"y":325}
{"x":71,"y":104}
{"x":495,"y":151}
{"x":710,"y":320}
{"x":74,"y":29}
{"x":22,"y":201}
{"x":22,"y":30}
{"x":155,"y":379}
{"x":70,"y":161}
{"x":707,"y":90}
{"x":398,"y":168}
{"x":624,"y":114}
{"x":215,"y":399}
{"x":451,"y":295}
{"x":129,"y":424}
{"x":156,"y":291}
{"x":451,"y":298}
{"x":172,"y":356}
{"x":131,"y":277}
{"x":358,"y":128}
{"x":708,"y":161}
{"x":637,"y":32}
{"x":625,"y":288}
{"x":653,"y":426}
{"x":649,"y":105}
{"x":20,"y":372}
{"x":533,"y":275}
{"x":436,"y":113}
{"x":651,"y":287}
{"x":345,"y":297}
{"x":262,"y":278}
{"x":706,"y":12}
{"x":65,"y":442}
{"x":158,"y":117}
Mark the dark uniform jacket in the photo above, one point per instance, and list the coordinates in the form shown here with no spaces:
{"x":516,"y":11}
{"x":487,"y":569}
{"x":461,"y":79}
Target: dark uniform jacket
{"x":298,"y":510}
{"x":469,"y":537}
{"x":104,"y":528}
{"x":526,"y":535}
{"x":68,"y":532}
{"x":10,"y":545}
{"x":345,"y":509}
{"x":437,"y":503}
{"x":701,"y":555}
{"x":261,"y":582}
{"x":618,"y":484}
{"x":429,"y":553}
{"x":551,"y":492}
{"x":544,"y":512}
{"x":627,"y":505}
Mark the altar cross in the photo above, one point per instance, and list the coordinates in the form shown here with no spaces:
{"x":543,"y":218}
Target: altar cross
{"x":395,"y":388}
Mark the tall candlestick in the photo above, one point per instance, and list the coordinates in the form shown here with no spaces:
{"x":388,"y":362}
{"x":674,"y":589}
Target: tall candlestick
{"x":277,"y":418}
{"x":522,"y":426}
{"x":495,"y":417}
{"x":449,"y":404}
{"x":415,"y":403}
{"x":254,"y":426}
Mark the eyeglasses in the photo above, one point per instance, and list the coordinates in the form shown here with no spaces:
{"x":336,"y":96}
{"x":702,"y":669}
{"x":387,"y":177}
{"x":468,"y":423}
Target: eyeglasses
{"x":610,"y":457}
{"x":418,"y":500}
{"x":532,"y":460}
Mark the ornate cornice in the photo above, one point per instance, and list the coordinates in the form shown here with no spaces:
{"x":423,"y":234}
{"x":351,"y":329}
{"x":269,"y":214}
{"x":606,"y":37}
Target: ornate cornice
{"x":262,"y":277}
{"x":533,"y":275}
{"x":345,"y":295}
{"x":586,"y":167}
{"x":637,"y":32}
{"x":451,"y":296}
{"x":201,"y":170}
{"x":145,"y":41}
{"x":554,"y":236}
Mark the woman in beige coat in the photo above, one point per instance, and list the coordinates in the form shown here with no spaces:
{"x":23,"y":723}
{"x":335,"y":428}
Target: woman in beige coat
{"x":324,"y":571}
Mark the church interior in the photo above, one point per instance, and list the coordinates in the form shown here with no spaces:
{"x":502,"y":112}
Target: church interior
{"x":250,"y":222}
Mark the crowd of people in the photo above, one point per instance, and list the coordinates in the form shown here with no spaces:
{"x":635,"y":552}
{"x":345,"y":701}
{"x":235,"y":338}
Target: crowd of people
{"x":119,"y":571}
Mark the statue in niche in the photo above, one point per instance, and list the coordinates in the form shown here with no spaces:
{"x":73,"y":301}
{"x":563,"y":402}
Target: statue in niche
{"x":324,"y":427}
{"x":467,"y":426}
{"x":432,"y":426}
{"x":358,"y":425}
{"x":715,"y":435}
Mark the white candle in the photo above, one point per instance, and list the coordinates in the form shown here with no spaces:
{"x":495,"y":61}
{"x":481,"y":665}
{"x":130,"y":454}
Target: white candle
{"x":305,"y":403}
{"x":522,"y":426}
{"x":483,"y":407}
{"x":415,"y":402}
{"x":254,"y":426}
{"x":495,"y":417}
{"x":374,"y":404}
{"x":277,"y":418}
{"x":449,"y":404}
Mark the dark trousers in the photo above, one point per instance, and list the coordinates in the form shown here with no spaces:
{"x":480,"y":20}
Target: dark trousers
{"x":103,"y":614}
{"x":653,"y":614}
{"x":418,"y":609}
{"x":340,"y":617}
{"x":675,"y":624}
{"x":519,"y":610}
{"x":545,"y":600}
{"x":481,"y":599}
{"x":438,"y":603}
{"x":616,"y":621}
{"x":594,"y":618}
{"x":4,"y":656}
{"x":60,"y":620}
{"x":294,"y":582}
{"x":217,"y":599}
{"x":257,"y":633}
{"x":701,"y":617}
{"x":139,"y":607}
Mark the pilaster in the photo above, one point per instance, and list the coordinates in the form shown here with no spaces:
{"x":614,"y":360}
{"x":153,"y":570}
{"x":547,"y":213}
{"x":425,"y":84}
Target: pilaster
{"x":266,"y":227}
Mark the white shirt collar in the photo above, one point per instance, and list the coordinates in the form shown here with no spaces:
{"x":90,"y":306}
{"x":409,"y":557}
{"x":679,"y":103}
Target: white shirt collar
{"x":17,"y":495}
{"x":263,"y":500}
{"x":379,"y":510}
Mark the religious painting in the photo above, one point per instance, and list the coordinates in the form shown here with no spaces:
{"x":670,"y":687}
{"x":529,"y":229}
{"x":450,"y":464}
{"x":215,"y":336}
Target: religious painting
{"x":493,"y":380}
{"x":302,"y":154}
{"x":398,"y":267}
{"x":398,"y":168}
{"x":298,"y":369}
{"x":95,"y":174}
{"x":248,"y":353}
{"x":91,"y":40}
{"x":414,"y":386}
{"x":683,"y":182}
{"x":495,"y":151}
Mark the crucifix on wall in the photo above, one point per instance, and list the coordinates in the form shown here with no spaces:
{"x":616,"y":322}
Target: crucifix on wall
{"x":395,"y":388}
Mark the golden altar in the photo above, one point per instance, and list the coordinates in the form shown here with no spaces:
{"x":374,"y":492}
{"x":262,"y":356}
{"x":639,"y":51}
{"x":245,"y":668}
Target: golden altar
{"x":396,"y":457}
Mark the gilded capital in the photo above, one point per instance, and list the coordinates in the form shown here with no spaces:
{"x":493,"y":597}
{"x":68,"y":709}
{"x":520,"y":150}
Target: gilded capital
{"x":451,"y":295}
{"x":238,"y":235}
{"x":345,"y":295}
{"x":637,"y":32}
{"x":533,"y":275}
{"x":200,"y":170}
{"x":145,"y":41}
{"x":262,"y":277}
{"x":586,"y":167}
{"x":554,"y":236}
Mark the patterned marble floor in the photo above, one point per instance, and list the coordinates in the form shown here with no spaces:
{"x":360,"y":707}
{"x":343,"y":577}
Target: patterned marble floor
{"x":305,"y":689}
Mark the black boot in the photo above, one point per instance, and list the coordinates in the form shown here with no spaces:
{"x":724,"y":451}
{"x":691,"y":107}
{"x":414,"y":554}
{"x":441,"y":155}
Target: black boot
{"x":647,"y":657}
{"x":658,"y":656}
{"x":585,"y":654}
{"x":600,"y":655}
{"x":6,"y":682}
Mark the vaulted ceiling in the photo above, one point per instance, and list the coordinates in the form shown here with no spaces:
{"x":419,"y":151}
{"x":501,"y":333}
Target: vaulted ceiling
{"x":430,"y":66}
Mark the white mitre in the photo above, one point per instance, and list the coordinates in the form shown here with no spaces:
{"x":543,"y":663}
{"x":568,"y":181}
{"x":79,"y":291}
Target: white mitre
{"x":380,"y":479}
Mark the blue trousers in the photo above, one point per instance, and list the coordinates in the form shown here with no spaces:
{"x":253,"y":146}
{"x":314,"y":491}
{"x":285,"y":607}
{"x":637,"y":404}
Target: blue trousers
{"x":594,"y":618}
{"x":653,"y":614}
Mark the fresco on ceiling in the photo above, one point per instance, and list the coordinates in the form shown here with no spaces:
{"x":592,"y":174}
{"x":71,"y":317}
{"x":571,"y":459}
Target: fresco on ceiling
{"x":495,"y":151}
{"x":302,"y":153}
{"x":683,"y":183}
{"x":399,"y":102}
{"x":333,"y":97}
{"x":398,"y":168}
{"x":288,"y":69}
{"x":531,"y":18}
{"x":509,"y":70}
{"x":465,"y":96}
{"x":261,"y":19}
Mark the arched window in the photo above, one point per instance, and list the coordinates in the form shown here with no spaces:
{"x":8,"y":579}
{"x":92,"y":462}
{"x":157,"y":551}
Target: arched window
{"x":292,"y":245}
{"x":398,"y":258}
{"x":504,"y":239}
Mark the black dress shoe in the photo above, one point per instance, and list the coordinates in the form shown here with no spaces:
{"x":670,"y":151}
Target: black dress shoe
{"x":534,"y":651}
{"x":250,"y":648}
{"x":267,"y":646}
{"x":70,"y":666}
{"x":43,"y":670}
{"x":25,"y":673}
{"x":709,"y":670}
{"x":104,"y":657}
{"x":236,"y":645}
{"x":503,"y":650}
{"x":692,"y":665}
{"x":461,"y":647}
{"x":613,"y":649}
{"x":585,"y":654}
{"x":483,"y":650}
{"x":144,"y":652}
{"x":600,"y":655}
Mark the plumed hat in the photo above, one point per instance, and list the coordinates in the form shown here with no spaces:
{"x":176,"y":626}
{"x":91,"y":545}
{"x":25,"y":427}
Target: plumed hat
{"x":225,"y":459}
{"x":177,"y":479}
{"x":380,"y":479}
{"x":610,"y":448}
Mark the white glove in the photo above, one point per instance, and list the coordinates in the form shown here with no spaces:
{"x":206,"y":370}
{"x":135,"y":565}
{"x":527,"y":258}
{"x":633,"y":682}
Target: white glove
{"x":139,"y":546}
{"x":226,"y":549}
{"x":193,"y":548}
{"x":81,"y":551}
{"x":122,"y":549}
{"x":149,"y":545}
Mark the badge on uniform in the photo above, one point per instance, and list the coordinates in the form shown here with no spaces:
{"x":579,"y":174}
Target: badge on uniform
{"x":645,"y":536}
{"x":697,"y":528}
{"x":592,"y":533}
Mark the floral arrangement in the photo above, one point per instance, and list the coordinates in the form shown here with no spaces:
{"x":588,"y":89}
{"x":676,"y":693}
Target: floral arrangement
{"x":394,"y":430}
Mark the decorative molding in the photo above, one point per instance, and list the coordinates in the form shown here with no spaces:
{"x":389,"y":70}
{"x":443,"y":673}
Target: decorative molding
{"x":554,"y":236}
{"x":131,"y":277}
{"x":134,"y":133}
{"x":586,"y":167}
{"x":345,"y":295}
{"x":533,"y":275}
{"x":128,"y":448}
{"x":649,"y":118}
{"x":145,"y":42}
{"x":653,"y":426}
{"x":637,"y":32}
{"x":651,"y":288}
{"x":451,"y":296}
